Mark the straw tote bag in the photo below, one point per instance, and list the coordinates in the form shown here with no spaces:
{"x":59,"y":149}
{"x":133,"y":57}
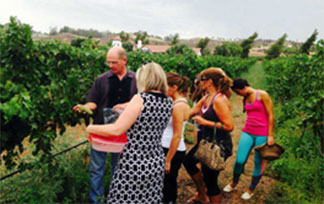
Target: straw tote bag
{"x":211,"y":154}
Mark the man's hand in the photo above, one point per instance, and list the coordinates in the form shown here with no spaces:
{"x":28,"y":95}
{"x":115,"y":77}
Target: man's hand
{"x":82,"y":109}
{"x":120,"y":106}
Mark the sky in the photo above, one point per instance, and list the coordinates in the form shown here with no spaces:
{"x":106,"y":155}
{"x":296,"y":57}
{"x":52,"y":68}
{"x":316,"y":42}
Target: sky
{"x":229,"y":19}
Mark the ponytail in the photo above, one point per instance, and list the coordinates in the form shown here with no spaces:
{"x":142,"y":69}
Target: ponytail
{"x":184,"y":85}
{"x":182,"y":82}
{"x":225,"y":84}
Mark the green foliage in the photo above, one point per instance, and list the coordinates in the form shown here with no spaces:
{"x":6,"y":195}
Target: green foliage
{"x":308,"y":43}
{"x":276,"y":49}
{"x":41,"y":82}
{"x":128,"y":46}
{"x":301,"y":167}
{"x":290,"y":50}
{"x":189,"y":133}
{"x":299,"y":86}
{"x":180,"y":49}
{"x":188,"y":64}
{"x":77,"y":42}
{"x":247,"y":44}
{"x":69,"y":183}
{"x":124,"y":36}
{"x":296,"y":84}
{"x":228,"y":49}
{"x":174,"y":39}
{"x":202,"y":44}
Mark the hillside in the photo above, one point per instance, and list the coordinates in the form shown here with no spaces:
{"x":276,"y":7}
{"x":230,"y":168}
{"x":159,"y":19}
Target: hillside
{"x":259,"y":44}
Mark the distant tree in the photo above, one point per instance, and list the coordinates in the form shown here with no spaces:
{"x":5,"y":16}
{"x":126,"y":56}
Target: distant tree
{"x":228,"y":49}
{"x":247,"y":44}
{"x":82,"y":32}
{"x":77,"y":42}
{"x":308,"y":43}
{"x":142,"y":35}
{"x":174,"y":39}
{"x":276,"y":48}
{"x":128,"y":46}
{"x":53,"y":31}
{"x":124,"y":36}
{"x":66,"y":29}
{"x":202,"y":44}
{"x":180,"y":49}
{"x":167,"y":38}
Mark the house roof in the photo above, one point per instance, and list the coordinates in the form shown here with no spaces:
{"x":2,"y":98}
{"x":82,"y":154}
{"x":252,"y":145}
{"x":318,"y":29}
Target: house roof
{"x":196,"y":50}
{"x":157,"y":48}
{"x":164,"y":48}
{"x":117,"y":38}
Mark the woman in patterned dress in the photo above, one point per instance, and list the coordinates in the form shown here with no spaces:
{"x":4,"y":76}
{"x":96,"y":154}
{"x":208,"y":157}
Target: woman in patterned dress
{"x":140,"y":171}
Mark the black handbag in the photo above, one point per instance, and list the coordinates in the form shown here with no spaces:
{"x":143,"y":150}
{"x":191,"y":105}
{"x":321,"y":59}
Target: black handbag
{"x":210,"y":153}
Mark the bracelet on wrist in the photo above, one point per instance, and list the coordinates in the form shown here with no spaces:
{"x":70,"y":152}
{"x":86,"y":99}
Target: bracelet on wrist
{"x":220,"y":127}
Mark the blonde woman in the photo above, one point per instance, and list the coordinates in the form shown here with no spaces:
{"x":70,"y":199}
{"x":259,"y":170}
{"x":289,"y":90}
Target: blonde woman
{"x":140,"y":171}
{"x":173,"y":136}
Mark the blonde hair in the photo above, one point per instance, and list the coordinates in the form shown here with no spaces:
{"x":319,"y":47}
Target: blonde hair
{"x":151,"y":77}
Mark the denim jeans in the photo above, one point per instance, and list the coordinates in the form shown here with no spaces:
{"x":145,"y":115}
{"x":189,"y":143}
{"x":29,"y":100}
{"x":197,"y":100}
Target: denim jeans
{"x":97,"y":171}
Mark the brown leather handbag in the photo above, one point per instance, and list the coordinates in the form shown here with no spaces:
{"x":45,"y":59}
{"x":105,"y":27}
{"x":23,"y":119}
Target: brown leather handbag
{"x":211,"y":154}
{"x":268,"y":152}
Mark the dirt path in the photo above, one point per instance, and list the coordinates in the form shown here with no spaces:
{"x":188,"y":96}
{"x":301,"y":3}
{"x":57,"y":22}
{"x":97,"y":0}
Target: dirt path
{"x":187,"y":188}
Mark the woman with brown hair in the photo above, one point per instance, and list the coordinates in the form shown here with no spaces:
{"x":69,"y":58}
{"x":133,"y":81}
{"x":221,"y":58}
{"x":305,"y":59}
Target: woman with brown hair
{"x":212,"y":110}
{"x":258,"y":129}
{"x":173,"y":136}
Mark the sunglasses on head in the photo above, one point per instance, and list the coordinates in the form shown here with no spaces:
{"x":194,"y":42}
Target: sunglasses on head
{"x":203,"y":78}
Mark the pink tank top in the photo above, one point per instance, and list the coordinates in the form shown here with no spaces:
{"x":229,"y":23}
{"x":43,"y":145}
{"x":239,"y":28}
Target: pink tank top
{"x":257,"y":122}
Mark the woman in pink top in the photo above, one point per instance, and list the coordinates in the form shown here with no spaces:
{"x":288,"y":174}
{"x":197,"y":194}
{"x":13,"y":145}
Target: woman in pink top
{"x":258,"y":130}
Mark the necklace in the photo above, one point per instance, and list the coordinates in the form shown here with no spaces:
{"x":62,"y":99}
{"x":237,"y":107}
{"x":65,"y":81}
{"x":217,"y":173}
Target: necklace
{"x":204,"y":108}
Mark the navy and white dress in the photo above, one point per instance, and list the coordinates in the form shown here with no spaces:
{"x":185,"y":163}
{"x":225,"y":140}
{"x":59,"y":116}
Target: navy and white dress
{"x":140,"y":171}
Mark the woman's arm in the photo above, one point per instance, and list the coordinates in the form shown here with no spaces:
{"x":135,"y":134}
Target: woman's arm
{"x":222,"y":109}
{"x":267,"y":102}
{"x":178,"y":117}
{"x":196,"y":109}
{"x":123,"y":123}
